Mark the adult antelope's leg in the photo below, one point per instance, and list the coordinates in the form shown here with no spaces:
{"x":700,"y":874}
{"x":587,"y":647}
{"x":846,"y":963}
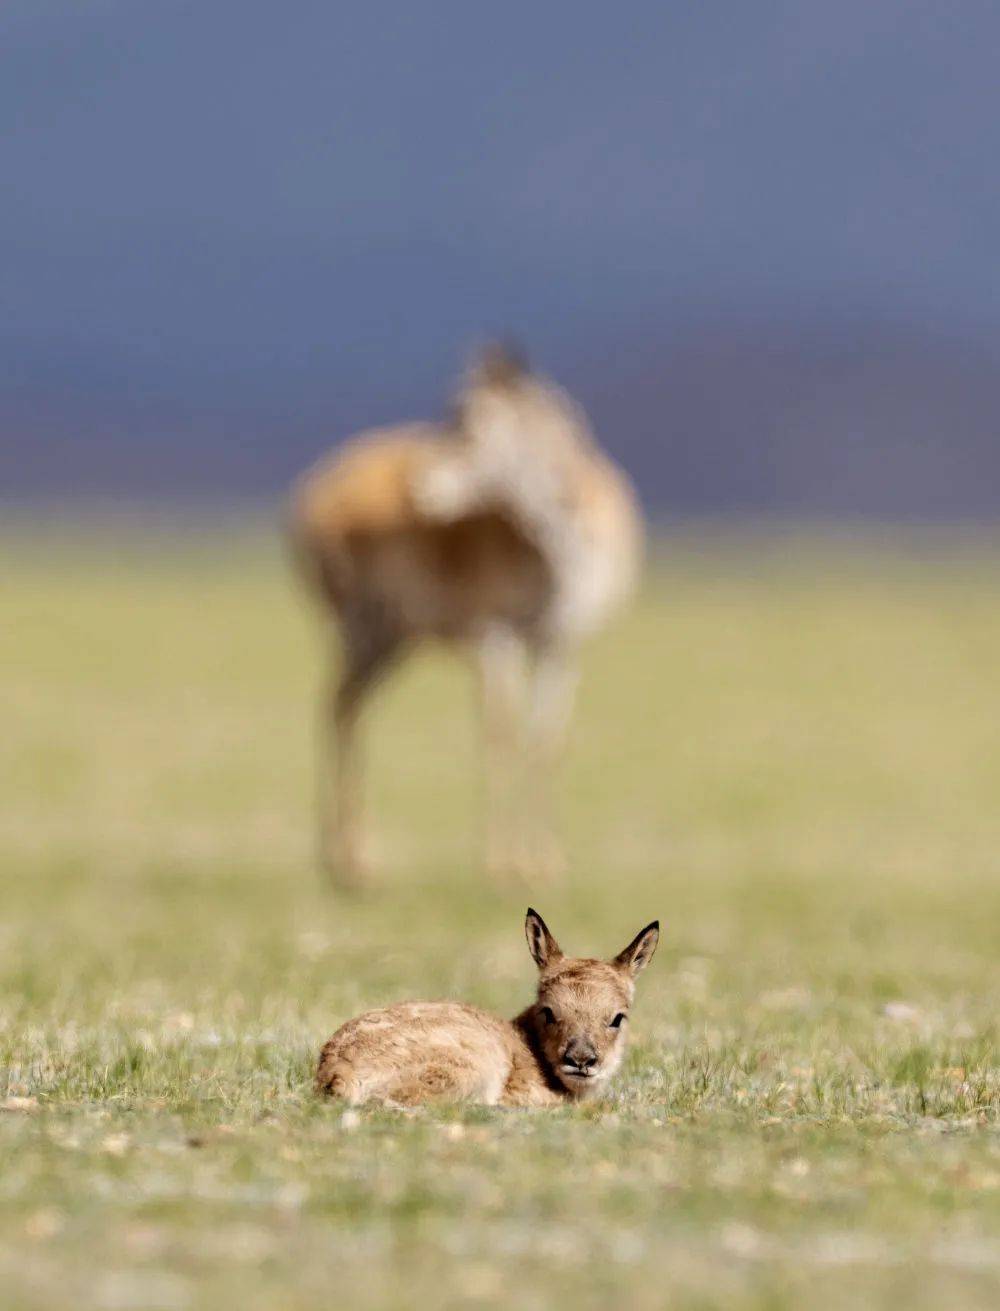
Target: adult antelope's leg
{"x":553,"y":680}
{"x":367,"y":656}
{"x":502,"y":674}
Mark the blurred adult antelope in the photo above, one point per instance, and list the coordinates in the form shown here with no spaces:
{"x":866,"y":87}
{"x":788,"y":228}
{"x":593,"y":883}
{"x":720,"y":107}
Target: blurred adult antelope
{"x":564,"y":1048}
{"x":504,"y":530}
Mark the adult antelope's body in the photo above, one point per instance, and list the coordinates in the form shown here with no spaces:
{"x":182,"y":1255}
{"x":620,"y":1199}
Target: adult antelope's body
{"x":561,"y":1049}
{"x":506,"y":531}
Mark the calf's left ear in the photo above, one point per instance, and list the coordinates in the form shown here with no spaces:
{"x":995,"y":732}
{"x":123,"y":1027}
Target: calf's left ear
{"x":639,"y":951}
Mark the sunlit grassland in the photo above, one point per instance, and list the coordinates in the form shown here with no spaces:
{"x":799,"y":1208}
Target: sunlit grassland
{"x":789,"y":751}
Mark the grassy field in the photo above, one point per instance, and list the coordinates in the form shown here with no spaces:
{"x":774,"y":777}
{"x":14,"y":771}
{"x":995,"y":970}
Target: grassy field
{"x":789,"y":752}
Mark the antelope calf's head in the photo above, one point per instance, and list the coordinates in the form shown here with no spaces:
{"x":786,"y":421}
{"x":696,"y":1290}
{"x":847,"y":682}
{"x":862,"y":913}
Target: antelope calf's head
{"x":580,"y":1018}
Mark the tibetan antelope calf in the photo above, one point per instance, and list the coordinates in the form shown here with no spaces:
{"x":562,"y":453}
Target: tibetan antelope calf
{"x":562,"y":1049}
{"x":504,"y":530}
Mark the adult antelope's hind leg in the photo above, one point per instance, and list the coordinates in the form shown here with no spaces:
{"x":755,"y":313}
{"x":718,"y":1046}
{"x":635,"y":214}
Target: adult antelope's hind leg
{"x":367,"y":656}
{"x":501,"y":657}
{"x":552,"y":692}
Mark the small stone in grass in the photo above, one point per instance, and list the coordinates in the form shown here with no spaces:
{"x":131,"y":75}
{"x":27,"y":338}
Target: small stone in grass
{"x":742,"y":1240}
{"x":24,"y":1104}
{"x":350,"y":1120}
{"x":900,"y":1011}
{"x":43,"y":1224}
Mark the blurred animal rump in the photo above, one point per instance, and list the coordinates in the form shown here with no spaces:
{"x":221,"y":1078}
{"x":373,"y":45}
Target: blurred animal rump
{"x":503,"y":529}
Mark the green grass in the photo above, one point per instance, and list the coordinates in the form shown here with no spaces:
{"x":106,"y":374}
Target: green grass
{"x":789,"y":752}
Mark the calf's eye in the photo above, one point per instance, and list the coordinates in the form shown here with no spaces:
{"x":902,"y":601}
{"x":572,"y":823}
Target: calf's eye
{"x":547,"y":1015}
{"x":616,"y":1023}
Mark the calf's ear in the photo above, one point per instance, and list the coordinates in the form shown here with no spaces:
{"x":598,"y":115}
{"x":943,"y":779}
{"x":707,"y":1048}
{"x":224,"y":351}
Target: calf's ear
{"x":639,"y":951}
{"x":542,"y":945}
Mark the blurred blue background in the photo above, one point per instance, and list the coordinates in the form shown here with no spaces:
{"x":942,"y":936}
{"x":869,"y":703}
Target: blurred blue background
{"x":760,"y":241}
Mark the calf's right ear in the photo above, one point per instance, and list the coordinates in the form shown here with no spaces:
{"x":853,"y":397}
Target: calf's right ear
{"x":542,"y":945}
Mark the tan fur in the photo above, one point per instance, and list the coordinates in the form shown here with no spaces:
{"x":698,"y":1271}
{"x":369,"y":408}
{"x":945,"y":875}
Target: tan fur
{"x":563,"y":1048}
{"x":506,"y":531}
{"x":390,"y":572}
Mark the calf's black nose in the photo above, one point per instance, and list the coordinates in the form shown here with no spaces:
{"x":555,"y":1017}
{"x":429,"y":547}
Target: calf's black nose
{"x":580,"y":1055}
